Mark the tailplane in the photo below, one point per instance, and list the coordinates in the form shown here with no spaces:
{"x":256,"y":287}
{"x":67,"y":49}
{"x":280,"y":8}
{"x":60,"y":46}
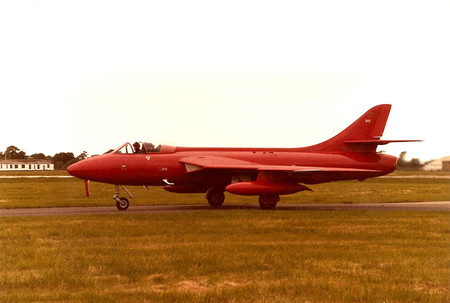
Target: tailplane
{"x":363,"y":135}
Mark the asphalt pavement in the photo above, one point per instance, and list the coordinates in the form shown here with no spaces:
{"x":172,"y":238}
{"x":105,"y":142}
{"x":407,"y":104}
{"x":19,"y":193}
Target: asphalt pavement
{"x":105,"y":210}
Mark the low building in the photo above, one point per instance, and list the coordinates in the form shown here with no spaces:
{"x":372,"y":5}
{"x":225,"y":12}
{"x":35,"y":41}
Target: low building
{"x":25,"y":164}
{"x":446,"y":165}
{"x":438,"y":164}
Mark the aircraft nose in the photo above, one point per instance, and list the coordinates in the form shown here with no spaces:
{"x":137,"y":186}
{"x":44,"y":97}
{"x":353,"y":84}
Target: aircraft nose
{"x":98,"y":168}
{"x":75,"y":170}
{"x":83,"y":169}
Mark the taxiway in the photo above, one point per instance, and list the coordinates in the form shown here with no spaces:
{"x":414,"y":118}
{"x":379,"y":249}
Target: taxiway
{"x":105,"y":210}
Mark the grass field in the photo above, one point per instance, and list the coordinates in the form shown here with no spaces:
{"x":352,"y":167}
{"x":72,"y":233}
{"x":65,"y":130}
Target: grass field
{"x":230,"y":256}
{"x":53,"y":192}
{"x":225,"y":256}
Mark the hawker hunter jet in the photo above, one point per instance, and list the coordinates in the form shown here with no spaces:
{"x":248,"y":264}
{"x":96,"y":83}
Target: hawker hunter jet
{"x":264,"y":172}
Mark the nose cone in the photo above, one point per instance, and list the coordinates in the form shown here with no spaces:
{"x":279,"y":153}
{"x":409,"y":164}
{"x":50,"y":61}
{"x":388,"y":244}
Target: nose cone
{"x":104,"y":168}
{"x":77,"y":170}
{"x":88,"y":169}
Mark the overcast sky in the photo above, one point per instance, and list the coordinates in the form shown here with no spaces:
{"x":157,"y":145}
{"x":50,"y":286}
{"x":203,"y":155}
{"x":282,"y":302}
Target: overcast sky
{"x":91,"y":75}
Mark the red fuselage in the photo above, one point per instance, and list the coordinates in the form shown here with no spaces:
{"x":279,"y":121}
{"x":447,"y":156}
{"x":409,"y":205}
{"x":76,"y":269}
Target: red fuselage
{"x":152,"y":168}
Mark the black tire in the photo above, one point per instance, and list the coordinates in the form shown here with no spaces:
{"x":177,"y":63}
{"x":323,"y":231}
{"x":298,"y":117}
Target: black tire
{"x":215,"y":197}
{"x":268,"y":202}
{"x":123,"y":204}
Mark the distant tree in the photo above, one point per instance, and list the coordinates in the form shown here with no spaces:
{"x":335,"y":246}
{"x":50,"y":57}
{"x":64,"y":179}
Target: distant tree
{"x":61,"y":160}
{"x":38,"y":156}
{"x":13,"y":152}
{"x":415,"y":164}
{"x":403,"y":164}
{"x":82,"y":156}
{"x":59,"y":165}
{"x":64,"y":157}
{"x":70,"y":162}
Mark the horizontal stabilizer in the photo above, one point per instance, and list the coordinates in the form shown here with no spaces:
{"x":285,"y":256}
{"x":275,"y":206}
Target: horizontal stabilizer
{"x":369,"y":145}
{"x":378,"y":142}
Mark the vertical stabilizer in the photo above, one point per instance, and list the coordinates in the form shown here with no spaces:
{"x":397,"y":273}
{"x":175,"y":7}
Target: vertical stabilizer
{"x":361,"y":136}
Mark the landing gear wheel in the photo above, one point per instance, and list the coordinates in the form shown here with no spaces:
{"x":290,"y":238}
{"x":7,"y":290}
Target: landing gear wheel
{"x":122,"y":204}
{"x":268,"y":202}
{"x":215,"y":197}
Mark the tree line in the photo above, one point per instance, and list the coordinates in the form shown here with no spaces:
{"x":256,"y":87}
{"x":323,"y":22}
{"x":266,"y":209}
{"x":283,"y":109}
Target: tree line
{"x":60,"y":160}
{"x":413,"y":164}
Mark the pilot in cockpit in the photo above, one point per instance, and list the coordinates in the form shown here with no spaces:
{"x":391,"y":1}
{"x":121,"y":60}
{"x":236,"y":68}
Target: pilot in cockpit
{"x":137,"y":148}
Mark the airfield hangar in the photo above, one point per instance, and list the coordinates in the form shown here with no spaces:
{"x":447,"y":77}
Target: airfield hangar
{"x":25,"y":165}
{"x":439,"y":164}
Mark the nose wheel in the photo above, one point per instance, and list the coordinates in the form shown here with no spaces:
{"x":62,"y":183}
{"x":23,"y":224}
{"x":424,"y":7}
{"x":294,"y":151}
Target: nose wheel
{"x":121,"y":203}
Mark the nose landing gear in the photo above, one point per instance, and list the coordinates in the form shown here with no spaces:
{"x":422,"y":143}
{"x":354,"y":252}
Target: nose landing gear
{"x":121,"y":203}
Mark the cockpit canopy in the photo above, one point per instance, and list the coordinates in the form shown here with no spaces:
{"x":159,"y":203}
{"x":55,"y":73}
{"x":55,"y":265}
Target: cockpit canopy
{"x":144,"y":148}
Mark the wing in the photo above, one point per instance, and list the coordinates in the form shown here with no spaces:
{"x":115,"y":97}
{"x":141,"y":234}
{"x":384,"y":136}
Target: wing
{"x":276,"y":173}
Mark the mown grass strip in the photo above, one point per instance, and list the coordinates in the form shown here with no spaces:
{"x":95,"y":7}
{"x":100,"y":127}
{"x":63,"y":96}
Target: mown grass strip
{"x":233,"y":256}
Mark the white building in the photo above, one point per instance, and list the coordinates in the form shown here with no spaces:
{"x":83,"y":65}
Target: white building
{"x":25,"y":164}
{"x":437,"y":164}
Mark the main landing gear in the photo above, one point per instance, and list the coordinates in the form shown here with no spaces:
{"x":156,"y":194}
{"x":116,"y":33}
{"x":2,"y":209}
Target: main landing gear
{"x":215,"y":197}
{"x":268,"y":201}
{"x":121,"y":203}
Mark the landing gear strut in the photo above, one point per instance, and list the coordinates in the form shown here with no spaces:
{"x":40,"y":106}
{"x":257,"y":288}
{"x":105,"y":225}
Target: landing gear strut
{"x":121,"y":203}
{"x":215,"y":197}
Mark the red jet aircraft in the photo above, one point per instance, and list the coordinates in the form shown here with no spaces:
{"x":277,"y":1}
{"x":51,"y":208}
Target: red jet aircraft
{"x":264,"y":172}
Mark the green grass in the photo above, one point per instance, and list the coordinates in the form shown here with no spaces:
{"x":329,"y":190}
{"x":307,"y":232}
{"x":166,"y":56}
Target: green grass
{"x":35,"y":173}
{"x":420,"y":173}
{"x":230,"y":256}
{"x":53,"y":192}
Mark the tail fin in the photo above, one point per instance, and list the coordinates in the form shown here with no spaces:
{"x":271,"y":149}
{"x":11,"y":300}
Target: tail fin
{"x":363,"y":135}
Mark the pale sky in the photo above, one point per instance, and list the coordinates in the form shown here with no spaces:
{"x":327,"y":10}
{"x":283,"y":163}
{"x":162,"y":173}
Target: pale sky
{"x":91,"y":75}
